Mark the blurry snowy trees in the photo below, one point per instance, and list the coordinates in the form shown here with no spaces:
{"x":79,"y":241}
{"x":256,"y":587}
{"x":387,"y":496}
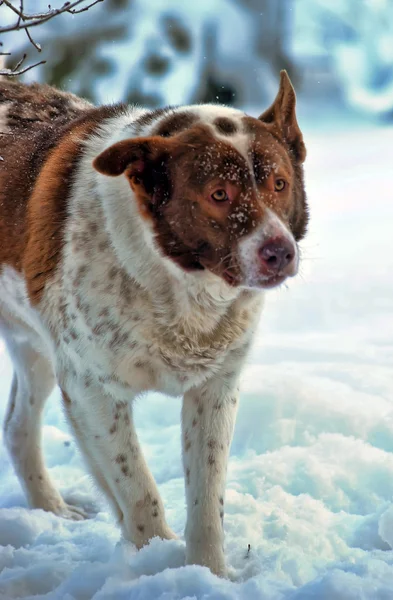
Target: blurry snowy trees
{"x":166,"y":51}
{"x":350,"y":43}
{"x":156,"y":52}
{"x":20,"y":20}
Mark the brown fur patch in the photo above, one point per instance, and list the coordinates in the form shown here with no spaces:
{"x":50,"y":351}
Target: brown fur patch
{"x":30,"y":105}
{"x":36,"y":116}
{"x":225,"y":126}
{"x":47,"y":211}
{"x":173,"y":180}
{"x":42,"y":147}
{"x":175,"y":123}
{"x":262,"y":156}
{"x":148,"y":118}
{"x":121,"y":458}
{"x":66,"y":398}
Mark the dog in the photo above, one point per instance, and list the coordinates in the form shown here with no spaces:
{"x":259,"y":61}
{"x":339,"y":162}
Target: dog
{"x":135,"y":250}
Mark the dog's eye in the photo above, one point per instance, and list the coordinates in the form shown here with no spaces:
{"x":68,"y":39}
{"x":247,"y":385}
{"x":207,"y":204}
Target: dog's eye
{"x":279,"y":185}
{"x":220,"y":196}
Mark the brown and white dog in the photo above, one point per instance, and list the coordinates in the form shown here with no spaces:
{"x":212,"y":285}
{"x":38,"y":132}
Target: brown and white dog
{"x":135,"y":246}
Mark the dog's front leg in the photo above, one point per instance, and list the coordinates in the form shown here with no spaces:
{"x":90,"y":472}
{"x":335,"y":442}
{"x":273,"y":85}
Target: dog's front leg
{"x":107,"y":437}
{"x":208,"y":419}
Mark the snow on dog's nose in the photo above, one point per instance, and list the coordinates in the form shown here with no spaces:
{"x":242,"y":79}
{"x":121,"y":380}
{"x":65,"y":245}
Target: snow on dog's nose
{"x":269,"y":254}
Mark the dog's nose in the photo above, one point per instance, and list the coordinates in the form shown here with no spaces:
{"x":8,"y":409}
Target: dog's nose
{"x":277,"y":256}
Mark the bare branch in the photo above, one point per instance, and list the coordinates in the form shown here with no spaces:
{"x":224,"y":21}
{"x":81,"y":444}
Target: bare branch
{"x":25,"y":21}
{"x":12,"y":7}
{"x":81,"y":10}
{"x":16,"y":70}
{"x":36,"y":46}
{"x":21,"y":10}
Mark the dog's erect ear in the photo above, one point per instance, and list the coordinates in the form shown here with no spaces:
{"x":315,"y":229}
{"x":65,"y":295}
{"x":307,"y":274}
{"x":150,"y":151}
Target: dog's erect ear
{"x":282,"y":114}
{"x":132,"y":155}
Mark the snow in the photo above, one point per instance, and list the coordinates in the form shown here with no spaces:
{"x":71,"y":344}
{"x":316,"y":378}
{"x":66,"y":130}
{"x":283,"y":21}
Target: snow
{"x":310,"y":479}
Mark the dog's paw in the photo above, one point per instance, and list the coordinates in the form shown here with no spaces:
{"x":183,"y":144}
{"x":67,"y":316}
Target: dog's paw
{"x":74,"y":513}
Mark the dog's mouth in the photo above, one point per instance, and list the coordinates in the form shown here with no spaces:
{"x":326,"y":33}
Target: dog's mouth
{"x":230,"y":277}
{"x":193,"y":262}
{"x":227,"y":273}
{"x":188,"y":262}
{"x":273,"y":281}
{"x":190,"y":259}
{"x":200,"y":259}
{"x":267,"y":283}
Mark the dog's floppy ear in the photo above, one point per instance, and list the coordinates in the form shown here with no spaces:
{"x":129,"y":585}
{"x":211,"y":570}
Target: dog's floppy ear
{"x":144,"y":161}
{"x":282,"y":114}
{"x":131,"y":155}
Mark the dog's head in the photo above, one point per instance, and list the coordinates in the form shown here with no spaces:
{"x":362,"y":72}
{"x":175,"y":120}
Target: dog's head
{"x":224,"y":193}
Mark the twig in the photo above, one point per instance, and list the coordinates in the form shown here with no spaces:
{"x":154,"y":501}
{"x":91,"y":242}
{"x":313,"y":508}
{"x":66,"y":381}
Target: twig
{"x":33,"y":20}
{"x":25,"y":21}
{"x":12,"y":7}
{"x":81,"y":10}
{"x":36,"y":46}
{"x":15,"y":71}
{"x":21,"y":10}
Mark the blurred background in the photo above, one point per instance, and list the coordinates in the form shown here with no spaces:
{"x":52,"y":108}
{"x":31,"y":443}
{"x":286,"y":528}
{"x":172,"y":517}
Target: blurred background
{"x":310,"y":480}
{"x":339,"y":53}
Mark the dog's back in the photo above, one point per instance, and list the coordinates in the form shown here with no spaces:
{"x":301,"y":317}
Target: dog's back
{"x":32,"y":120}
{"x":42,"y":134}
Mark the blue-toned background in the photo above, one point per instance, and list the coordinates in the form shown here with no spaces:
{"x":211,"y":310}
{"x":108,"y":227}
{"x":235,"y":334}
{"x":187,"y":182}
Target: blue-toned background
{"x":338,"y":52}
{"x":310,"y":478}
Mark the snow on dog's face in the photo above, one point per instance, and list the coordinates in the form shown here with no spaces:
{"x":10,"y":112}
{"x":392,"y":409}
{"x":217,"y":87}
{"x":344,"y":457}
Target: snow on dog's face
{"x":224,"y":194}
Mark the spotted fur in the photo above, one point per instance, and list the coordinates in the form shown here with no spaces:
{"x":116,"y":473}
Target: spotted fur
{"x":120,"y":274}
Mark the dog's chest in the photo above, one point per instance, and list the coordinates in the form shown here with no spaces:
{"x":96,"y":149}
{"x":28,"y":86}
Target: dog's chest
{"x":113,"y":333}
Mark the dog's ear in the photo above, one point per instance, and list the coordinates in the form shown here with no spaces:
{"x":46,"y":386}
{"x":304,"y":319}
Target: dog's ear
{"x":131,"y":155}
{"x":144,"y":161}
{"x":282,"y":114}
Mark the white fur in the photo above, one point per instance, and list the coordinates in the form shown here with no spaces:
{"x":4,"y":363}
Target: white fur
{"x":250,"y":246}
{"x":132,"y":321}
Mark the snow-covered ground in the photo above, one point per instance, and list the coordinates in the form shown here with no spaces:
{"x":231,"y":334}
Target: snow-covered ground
{"x":310,"y":481}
